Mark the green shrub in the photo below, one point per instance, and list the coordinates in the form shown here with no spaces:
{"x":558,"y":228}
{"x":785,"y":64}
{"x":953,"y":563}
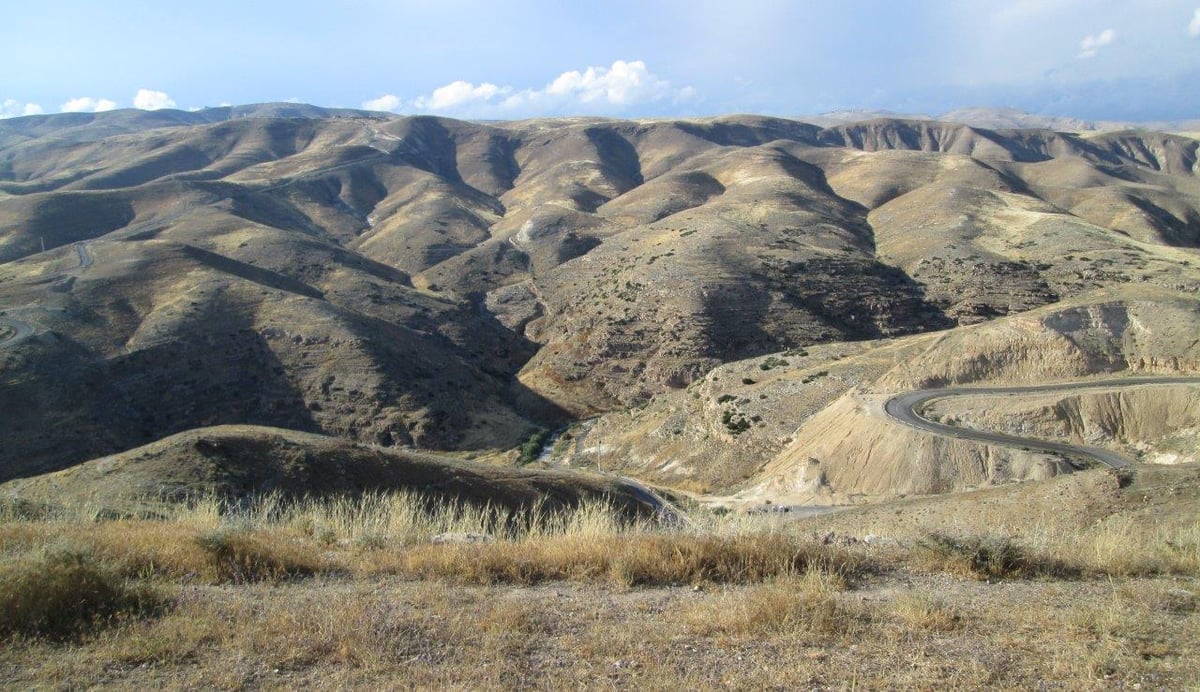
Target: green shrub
{"x":531,"y":448}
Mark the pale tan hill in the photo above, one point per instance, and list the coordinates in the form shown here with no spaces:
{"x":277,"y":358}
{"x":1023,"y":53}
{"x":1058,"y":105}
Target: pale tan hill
{"x":240,"y":462}
{"x":808,"y":425}
{"x":1158,"y":425}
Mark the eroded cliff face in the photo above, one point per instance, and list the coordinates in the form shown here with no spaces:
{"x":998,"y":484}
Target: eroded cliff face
{"x":1153,"y":424}
{"x":849,"y":452}
{"x":810,"y":428}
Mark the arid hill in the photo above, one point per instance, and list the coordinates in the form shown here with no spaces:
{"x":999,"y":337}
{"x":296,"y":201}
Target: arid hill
{"x":239,"y":463}
{"x":419,"y":281}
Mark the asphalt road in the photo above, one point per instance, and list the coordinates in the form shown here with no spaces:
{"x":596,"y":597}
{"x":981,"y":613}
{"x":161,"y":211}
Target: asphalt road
{"x":906,"y":408}
{"x":16,"y":330}
{"x":85,"y":256}
{"x":666,"y":512}
{"x":19,"y":330}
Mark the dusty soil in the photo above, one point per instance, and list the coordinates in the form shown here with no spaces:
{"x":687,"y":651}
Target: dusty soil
{"x":901,"y":631}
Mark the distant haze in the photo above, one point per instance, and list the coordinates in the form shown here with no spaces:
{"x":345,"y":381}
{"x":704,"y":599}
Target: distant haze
{"x":1092,"y":59}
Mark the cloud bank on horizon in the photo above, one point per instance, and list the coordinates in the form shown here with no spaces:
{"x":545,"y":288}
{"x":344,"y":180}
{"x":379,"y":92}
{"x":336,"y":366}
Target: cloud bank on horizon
{"x":623,"y":86}
{"x":1096,"y":59}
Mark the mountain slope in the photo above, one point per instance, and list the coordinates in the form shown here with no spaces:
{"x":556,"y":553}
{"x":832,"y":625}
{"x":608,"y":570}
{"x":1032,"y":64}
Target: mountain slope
{"x":456,"y":285}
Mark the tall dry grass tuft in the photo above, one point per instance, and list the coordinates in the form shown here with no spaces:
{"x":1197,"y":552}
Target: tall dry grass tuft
{"x":401,"y":518}
{"x":635,"y":558}
{"x":271,"y":539}
{"x":1124,"y":546}
{"x":60,"y":593}
{"x":239,"y":556}
{"x":789,"y":605}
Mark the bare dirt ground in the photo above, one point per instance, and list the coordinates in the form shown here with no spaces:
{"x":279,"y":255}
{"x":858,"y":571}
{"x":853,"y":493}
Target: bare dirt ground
{"x":906,"y":630}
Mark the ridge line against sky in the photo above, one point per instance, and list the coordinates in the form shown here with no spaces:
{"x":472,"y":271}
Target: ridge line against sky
{"x":1095,"y":59}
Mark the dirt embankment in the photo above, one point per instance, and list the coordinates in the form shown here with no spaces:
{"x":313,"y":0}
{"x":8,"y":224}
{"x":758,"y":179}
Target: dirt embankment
{"x":811,"y":428}
{"x":1159,"y":424}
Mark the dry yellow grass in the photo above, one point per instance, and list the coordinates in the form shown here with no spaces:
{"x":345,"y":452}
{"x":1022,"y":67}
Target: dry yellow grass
{"x":59,"y":592}
{"x":633,"y":559}
{"x":921,"y":611}
{"x":377,"y":534}
{"x":808,"y":604}
{"x":354,"y":593}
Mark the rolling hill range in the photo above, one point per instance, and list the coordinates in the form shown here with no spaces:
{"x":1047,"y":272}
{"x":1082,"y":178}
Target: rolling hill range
{"x":729,"y":298}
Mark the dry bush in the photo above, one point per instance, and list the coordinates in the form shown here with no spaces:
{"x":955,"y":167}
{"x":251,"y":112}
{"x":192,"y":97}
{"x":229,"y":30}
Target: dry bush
{"x":60,"y":593}
{"x":988,"y":557}
{"x":1120,"y":546}
{"x":239,"y":556}
{"x":631,"y":559}
{"x":787,"y":606}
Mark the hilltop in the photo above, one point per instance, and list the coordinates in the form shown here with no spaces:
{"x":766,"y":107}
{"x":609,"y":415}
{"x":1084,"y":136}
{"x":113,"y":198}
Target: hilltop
{"x":448,"y":285}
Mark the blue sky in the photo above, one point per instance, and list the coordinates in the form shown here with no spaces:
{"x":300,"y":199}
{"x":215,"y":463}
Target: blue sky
{"x":1114,"y":59}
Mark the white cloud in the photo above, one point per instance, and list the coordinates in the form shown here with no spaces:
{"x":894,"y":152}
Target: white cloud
{"x":1094,"y":42}
{"x":1194,"y":25}
{"x":87,"y":104}
{"x":387,"y":102}
{"x":619,"y":87}
{"x":150,"y":100}
{"x":685,"y":94}
{"x":460,"y":94}
{"x":622,"y":84}
{"x":11,"y":108}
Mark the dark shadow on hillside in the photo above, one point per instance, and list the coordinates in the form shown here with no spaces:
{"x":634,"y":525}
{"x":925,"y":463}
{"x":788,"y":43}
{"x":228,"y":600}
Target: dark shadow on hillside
{"x":250,"y":272}
{"x":817,"y":300}
{"x":63,"y":218}
{"x":67,"y":406}
{"x":618,"y":155}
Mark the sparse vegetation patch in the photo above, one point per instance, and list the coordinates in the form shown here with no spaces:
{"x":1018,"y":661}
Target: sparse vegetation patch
{"x":61,"y":593}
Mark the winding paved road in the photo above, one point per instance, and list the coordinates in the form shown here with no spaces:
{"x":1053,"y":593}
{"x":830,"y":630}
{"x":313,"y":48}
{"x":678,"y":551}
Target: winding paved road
{"x":906,"y":408}
{"x":666,"y":512}
{"x":85,"y":255}
{"x":13,"y":331}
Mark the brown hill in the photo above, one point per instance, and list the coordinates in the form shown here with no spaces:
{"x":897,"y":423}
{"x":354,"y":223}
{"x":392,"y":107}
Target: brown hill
{"x":458,"y":285}
{"x":236,"y":462}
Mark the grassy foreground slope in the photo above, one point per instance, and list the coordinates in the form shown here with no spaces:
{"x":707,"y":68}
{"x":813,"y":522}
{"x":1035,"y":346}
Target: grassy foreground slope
{"x":1087,"y":581}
